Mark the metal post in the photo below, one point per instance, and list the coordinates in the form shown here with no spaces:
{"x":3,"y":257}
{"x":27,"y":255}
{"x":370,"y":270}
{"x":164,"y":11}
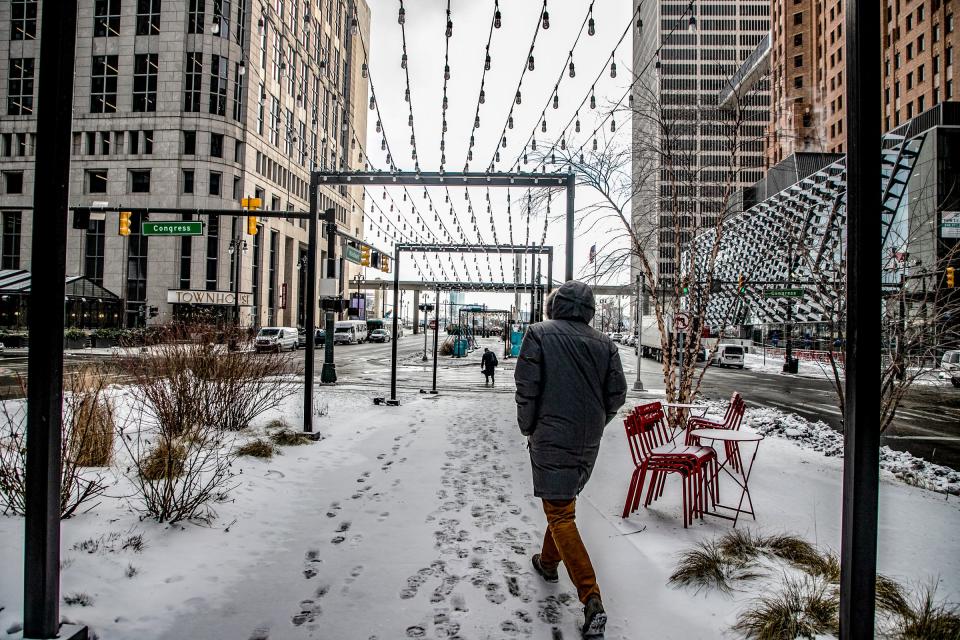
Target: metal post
{"x":237,"y":244}
{"x":329,"y":372}
{"x":550,"y":271}
{"x":858,"y":535}
{"x":393,"y":343}
{"x":436,"y":338}
{"x":426,"y":316}
{"x":788,"y":364}
{"x":41,"y":571}
{"x":571,"y":184}
{"x":638,"y":383}
{"x":311,"y":319}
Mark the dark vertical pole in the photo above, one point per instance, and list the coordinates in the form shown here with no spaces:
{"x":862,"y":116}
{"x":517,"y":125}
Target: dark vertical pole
{"x":393,"y":343}
{"x":329,"y":372}
{"x":436,"y":339}
{"x":237,"y":248}
{"x":311,"y":310}
{"x":571,"y":184}
{"x":41,"y":575}
{"x":550,"y":271}
{"x":858,"y":546}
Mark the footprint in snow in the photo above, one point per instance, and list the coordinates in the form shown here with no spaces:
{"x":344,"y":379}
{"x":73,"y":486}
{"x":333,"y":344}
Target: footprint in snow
{"x":260,"y":633}
{"x":344,"y":526}
{"x":494,"y":593}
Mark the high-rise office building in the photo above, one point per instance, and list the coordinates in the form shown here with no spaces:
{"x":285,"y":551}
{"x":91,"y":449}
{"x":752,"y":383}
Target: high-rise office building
{"x":189,"y":104}
{"x":683,"y":54}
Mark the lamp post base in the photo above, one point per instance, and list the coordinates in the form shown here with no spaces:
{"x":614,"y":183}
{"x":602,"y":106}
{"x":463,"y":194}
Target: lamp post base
{"x":638,"y":385}
{"x":66,"y":632}
{"x":329,"y":373}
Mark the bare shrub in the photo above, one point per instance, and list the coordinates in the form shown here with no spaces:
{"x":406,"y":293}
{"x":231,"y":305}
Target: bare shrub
{"x":165,"y":461}
{"x":926,"y":617}
{"x":78,"y":446}
{"x":91,"y":417}
{"x":289,"y":438}
{"x":258,"y":448}
{"x":804,"y":608}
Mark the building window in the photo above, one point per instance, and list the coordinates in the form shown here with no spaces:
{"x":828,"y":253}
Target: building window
{"x":195,"y":13}
{"x":20,"y":87}
{"x":148,"y":17}
{"x":191,"y":102}
{"x":12,"y":182}
{"x":237,"y":91}
{"x":221,"y":17}
{"x":136,"y":269}
{"x":218,"y":85}
{"x":186,"y":248}
{"x":213,"y":251}
{"x":919,"y":74}
{"x":145,"y":82}
{"x":11,"y":240}
{"x":189,"y":143}
{"x":272,"y":275}
{"x":188,"y":180}
{"x":798,"y":18}
{"x":216,"y":145}
{"x":23,"y":19}
{"x":94,"y":251}
{"x":798,"y":82}
{"x":289,"y":135}
{"x":275,"y":121}
{"x":255,"y":275}
{"x":103,"y":89}
{"x":216,"y":179}
{"x":798,"y":39}
{"x":798,"y":61}
{"x":106,"y":18}
{"x":96,"y":180}
{"x":148,"y":142}
{"x":139,"y":181}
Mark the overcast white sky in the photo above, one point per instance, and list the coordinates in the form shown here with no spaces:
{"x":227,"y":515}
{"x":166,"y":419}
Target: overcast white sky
{"x":509,"y":48}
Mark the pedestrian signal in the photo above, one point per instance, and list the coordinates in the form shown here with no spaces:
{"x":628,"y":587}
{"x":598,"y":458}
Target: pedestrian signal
{"x":124,"y":223}
{"x":252,"y":225}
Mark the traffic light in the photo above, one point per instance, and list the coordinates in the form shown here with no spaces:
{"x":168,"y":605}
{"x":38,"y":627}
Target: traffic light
{"x":124,"y":223}
{"x":252,"y":225}
{"x":375,"y":259}
{"x":950,"y":280}
{"x":741,"y":283}
{"x":385,"y":263}
{"x":364,"y":255}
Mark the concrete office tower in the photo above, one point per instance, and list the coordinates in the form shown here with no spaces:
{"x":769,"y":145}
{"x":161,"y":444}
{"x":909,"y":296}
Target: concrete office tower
{"x":919,"y":68}
{"x":682,"y":67}
{"x":192,"y":104}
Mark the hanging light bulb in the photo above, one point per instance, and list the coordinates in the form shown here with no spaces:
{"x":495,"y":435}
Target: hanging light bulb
{"x":444,"y":125}
{"x":657,"y":63}
{"x":476,"y":122}
{"x":402,"y":15}
{"x":630,"y":101}
{"x":517,"y":99}
{"x":556,"y":101}
{"x":406,"y":95}
{"x":581,"y":157}
{"x":469,"y":154}
{"x":354,"y":28}
{"x":363,"y":70}
{"x":379,"y":127}
{"x":413,"y":141}
{"x":533,"y":144}
{"x":497,"y":157}
{"x":573,"y":70}
{"x":446,"y":72}
{"x":510,"y":121}
{"x":613,"y":69}
{"x":613,"y":125}
{"x":449,"y":25}
{"x":576,"y":126}
{"x":591,"y":25}
{"x":563,"y":143}
{"x":639,"y":19}
{"x":497,"y":18}
{"x":446,"y":103}
{"x":530,"y":64}
{"x":594,"y":144}
{"x":383,"y":144}
{"x":692,"y":23}
{"x":503,"y":142}
{"x":543,"y":125}
{"x":483,"y":96}
{"x":524,"y":158}
{"x":410,"y":120}
{"x":546,"y":17}
{"x":403,"y":61}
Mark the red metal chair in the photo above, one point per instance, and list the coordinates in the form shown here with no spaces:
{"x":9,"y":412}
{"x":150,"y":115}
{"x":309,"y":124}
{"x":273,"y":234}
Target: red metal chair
{"x":651,"y":448}
{"x":731,"y":420}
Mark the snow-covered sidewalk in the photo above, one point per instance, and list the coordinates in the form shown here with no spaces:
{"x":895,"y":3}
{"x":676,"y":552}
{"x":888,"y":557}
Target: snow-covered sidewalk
{"x":419,"y":520}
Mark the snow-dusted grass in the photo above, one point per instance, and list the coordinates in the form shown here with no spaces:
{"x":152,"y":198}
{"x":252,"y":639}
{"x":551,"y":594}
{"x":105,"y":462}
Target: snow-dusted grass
{"x":419,"y":520}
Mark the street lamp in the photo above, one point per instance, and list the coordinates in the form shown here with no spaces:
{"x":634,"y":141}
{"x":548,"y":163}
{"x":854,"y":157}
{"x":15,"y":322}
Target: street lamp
{"x":234,"y":245}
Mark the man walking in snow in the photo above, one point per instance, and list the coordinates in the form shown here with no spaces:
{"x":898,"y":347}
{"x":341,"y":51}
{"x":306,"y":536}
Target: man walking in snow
{"x":570,"y":384}
{"x":488,"y":364}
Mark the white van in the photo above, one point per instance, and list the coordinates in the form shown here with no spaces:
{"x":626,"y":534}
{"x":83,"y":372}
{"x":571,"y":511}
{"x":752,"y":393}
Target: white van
{"x":728,"y":355}
{"x":350,"y":332}
{"x":276,"y":339}
{"x":950,"y":361}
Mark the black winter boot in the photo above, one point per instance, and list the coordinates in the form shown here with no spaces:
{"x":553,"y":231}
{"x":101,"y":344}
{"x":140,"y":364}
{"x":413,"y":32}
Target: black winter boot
{"x":550,"y":575}
{"x":595,"y":619}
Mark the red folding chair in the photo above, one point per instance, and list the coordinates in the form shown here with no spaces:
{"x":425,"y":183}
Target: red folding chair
{"x":731,"y":420}
{"x":648,"y":436}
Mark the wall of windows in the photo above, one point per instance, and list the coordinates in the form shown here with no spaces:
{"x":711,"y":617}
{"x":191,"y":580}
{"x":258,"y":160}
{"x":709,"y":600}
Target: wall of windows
{"x":218,"y":85}
{"x":20,"y":87}
{"x":145,"y":70}
{"x":10,"y":245}
{"x":148,"y":17}
{"x":106,"y":18}
{"x":23,"y":19}
{"x":94,"y":251}
{"x":103,"y":86}
{"x":194,"y":75}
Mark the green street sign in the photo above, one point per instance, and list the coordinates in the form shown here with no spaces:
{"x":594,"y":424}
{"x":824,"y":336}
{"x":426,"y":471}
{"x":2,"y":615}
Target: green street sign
{"x":173,"y":228}
{"x":783,"y":293}
{"x":352,"y":254}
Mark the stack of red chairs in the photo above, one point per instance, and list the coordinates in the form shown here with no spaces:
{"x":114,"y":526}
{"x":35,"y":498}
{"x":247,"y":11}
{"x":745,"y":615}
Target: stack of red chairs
{"x":649,"y":438}
{"x":731,"y":420}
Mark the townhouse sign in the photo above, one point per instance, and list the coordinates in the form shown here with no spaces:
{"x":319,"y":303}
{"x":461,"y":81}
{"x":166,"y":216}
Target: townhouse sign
{"x":199,"y":296}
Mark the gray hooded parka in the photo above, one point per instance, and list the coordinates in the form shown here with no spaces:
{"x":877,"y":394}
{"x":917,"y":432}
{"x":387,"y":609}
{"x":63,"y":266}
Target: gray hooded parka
{"x":570,"y":384}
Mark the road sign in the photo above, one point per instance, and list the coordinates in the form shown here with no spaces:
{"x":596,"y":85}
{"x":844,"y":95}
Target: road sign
{"x":783,"y":293}
{"x":175,"y":228}
{"x":351,"y":253}
{"x":682,"y":321}
{"x":950,"y":224}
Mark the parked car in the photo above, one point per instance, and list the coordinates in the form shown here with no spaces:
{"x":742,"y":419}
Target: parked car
{"x":379,"y":335}
{"x":617,"y":337}
{"x":728,"y":355}
{"x":320,"y":336}
{"x":2,"y":348}
{"x":350,"y":332}
{"x":950,"y":361}
{"x":276,"y":339}
{"x":955,"y":379}
{"x":301,"y":338}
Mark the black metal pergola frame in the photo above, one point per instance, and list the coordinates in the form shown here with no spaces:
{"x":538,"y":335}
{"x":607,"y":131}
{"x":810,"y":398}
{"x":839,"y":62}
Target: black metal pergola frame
{"x":455,"y":248}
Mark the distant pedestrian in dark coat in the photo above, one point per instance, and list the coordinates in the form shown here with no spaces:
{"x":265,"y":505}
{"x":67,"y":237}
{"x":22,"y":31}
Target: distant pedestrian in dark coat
{"x":570,"y":384}
{"x":488,"y":364}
